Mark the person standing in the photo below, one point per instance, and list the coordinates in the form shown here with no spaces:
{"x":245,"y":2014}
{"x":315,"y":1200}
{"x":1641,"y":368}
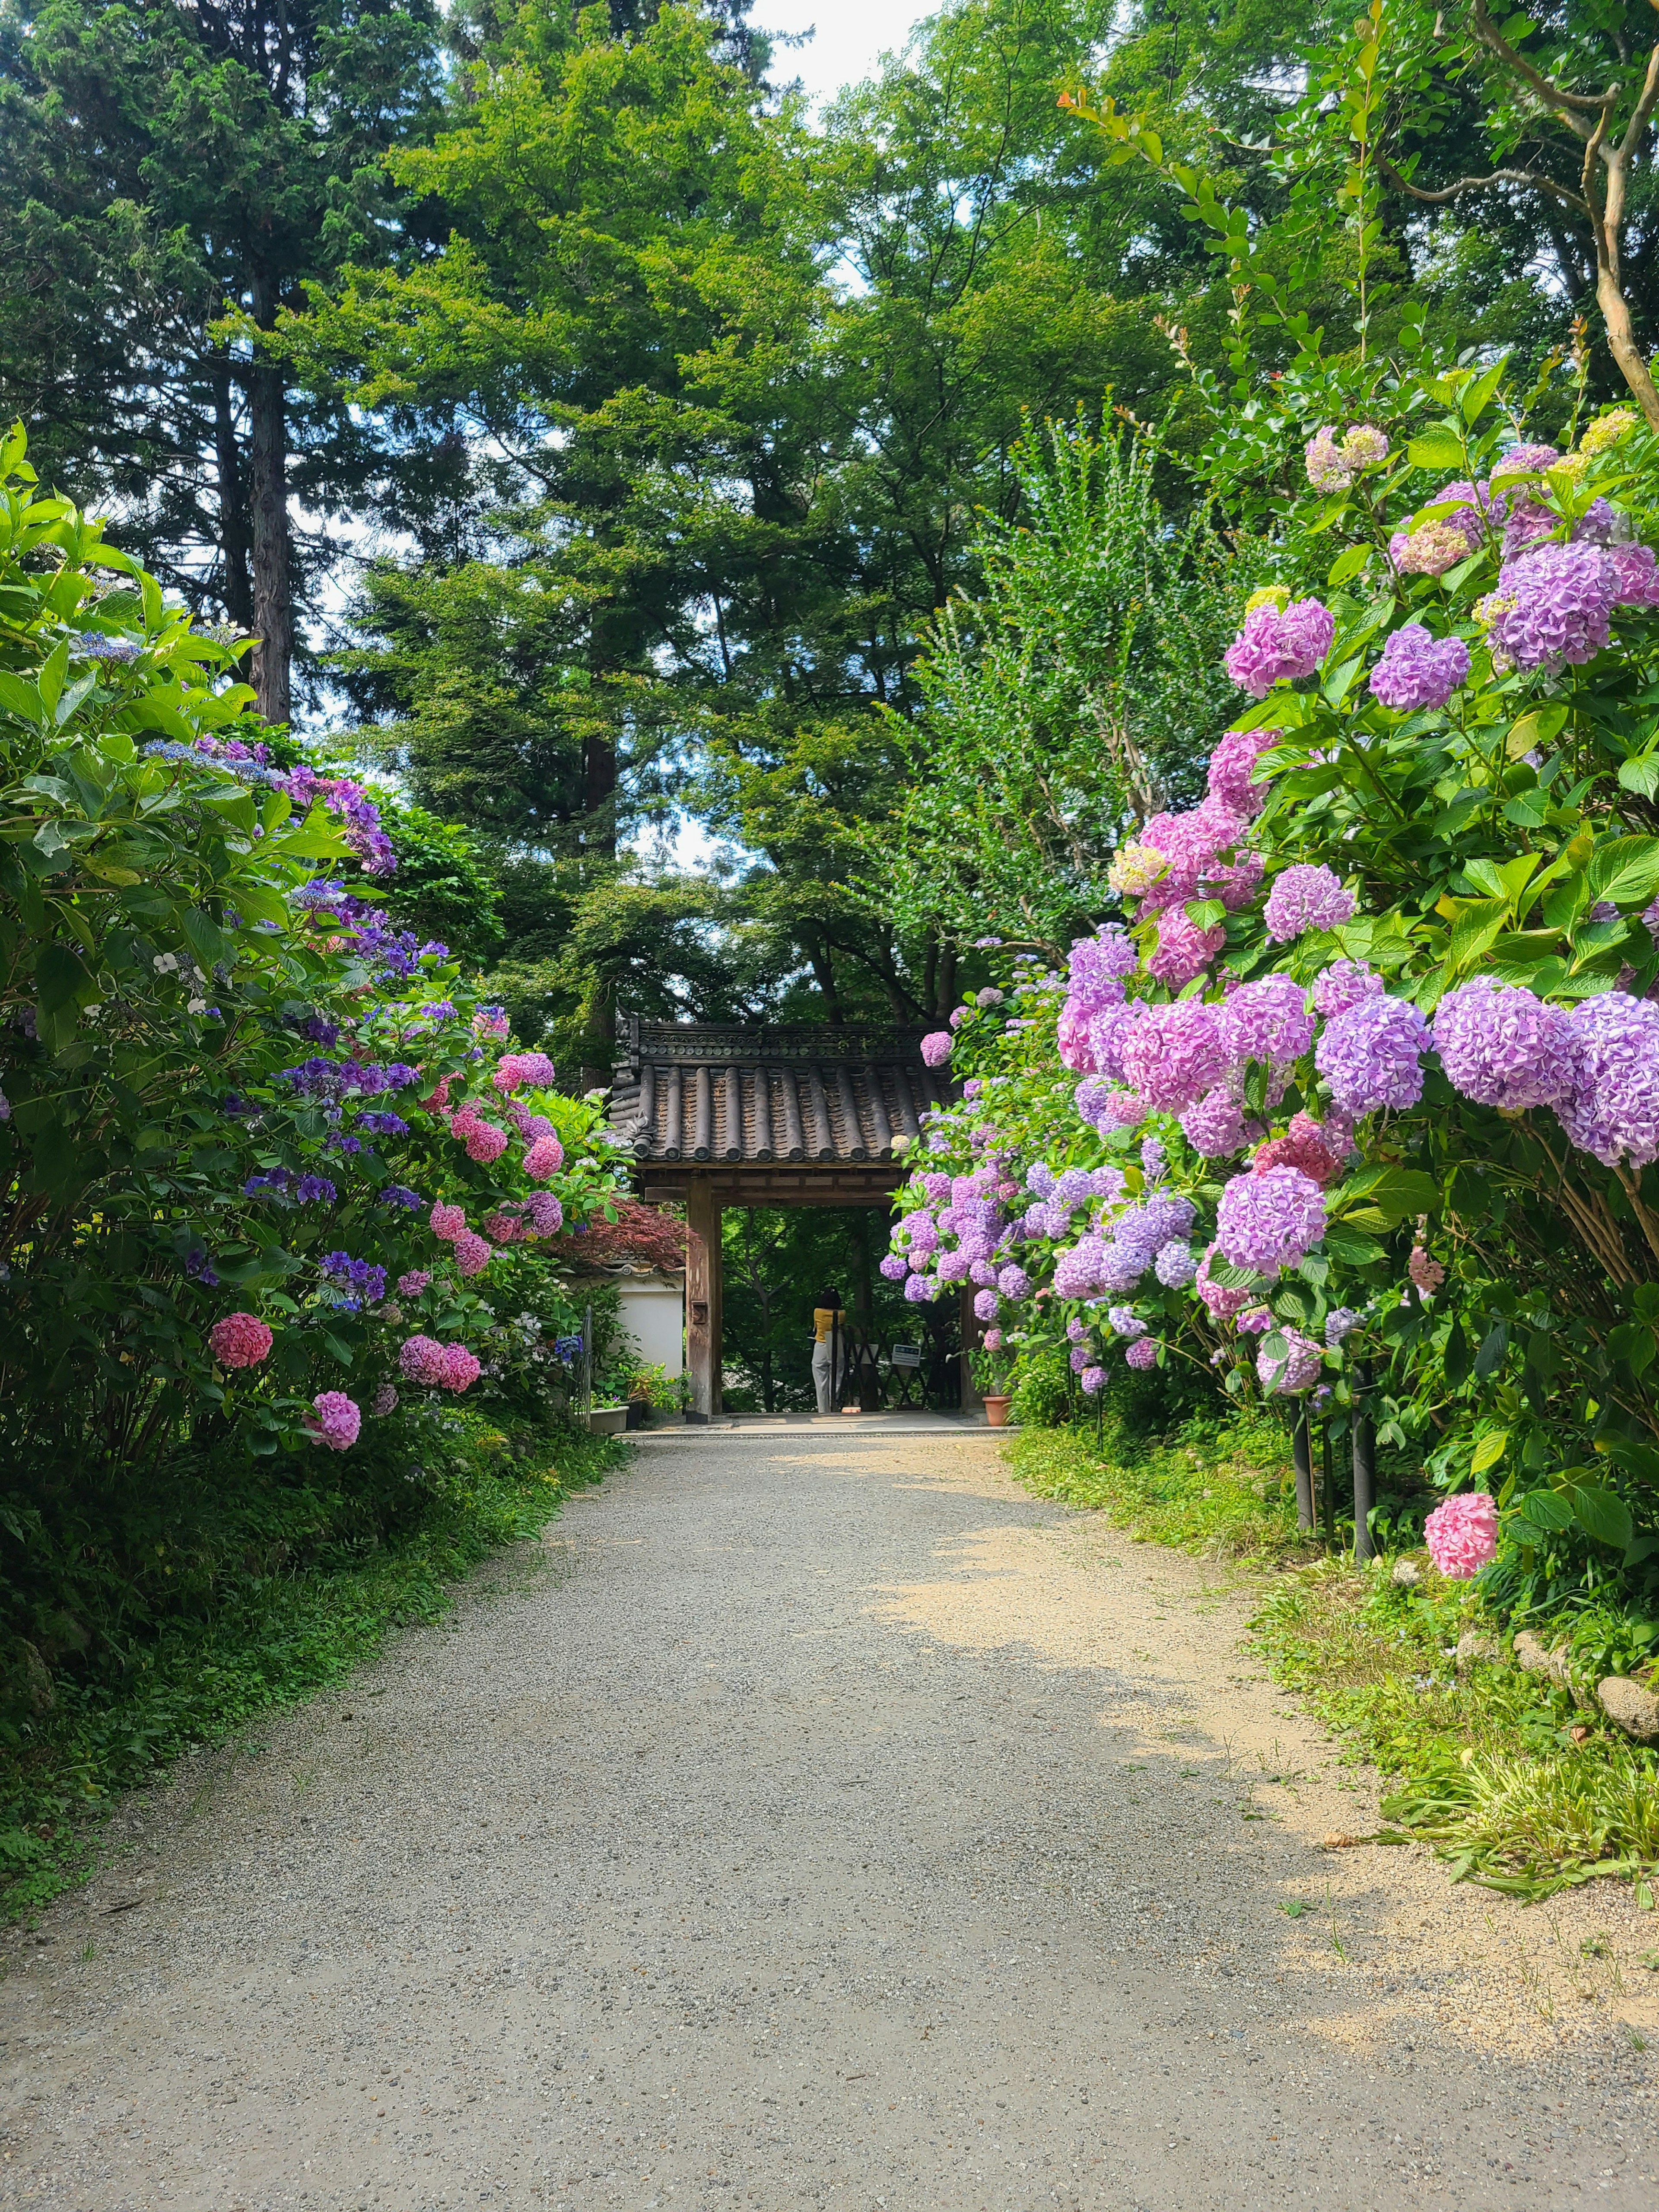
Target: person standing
{"x":827,"y":1323}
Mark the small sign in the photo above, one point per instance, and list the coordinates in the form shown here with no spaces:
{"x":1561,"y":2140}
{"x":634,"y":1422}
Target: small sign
{"x":906,"y":1355}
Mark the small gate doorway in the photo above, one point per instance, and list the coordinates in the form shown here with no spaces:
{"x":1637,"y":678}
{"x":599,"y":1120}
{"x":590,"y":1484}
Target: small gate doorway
{"x":718,"y":1114}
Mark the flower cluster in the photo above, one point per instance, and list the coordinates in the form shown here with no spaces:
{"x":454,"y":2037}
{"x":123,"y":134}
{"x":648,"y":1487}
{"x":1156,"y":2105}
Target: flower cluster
{"x":442,"y":1366}
{"x":1279,"y":644}
{"x":1461,"y":1534}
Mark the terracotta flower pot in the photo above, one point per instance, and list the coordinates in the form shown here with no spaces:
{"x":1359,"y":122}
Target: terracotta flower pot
{"x":996,"y":1413}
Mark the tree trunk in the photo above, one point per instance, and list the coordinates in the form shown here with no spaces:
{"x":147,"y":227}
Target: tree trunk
{"x":234,"y":548}
{"x":1622,"y":339}
{"x":273,"y":591}
{"x":824,"y":975}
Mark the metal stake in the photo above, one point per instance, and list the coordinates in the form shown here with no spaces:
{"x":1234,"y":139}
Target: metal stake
{"x":1364,"y":1469}
{"x":1301,"y":1454}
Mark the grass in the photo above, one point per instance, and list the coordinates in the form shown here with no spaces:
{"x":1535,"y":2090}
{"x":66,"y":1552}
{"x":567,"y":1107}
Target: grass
{"x":273,"y":1643}
{"x":1223,"y":1487}
{"x":1516,"y":1785}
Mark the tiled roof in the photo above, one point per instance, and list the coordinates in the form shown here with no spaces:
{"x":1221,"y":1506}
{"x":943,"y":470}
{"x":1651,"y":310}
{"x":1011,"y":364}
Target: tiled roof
{"x":697,"y":1090}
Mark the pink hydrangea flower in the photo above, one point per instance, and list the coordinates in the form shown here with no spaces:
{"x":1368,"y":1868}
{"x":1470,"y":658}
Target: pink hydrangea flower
{"x":1344,"y":984}
{"x":503,"y":1228}
{"x":334,"y":1421}
{"x":544,"y":1158}
{"x":1174,"y":1055}
{"x":485,"y":1142}
{"x":1276,"y":644}
{"x":461,"y":1367}
{"x":1143,"y":1352}
{"x":384,"y":1401}
{"x":411,"y":1285}
{"x":421,"y":1359}
{"x":472,"y":1253}
{"x":515,"y":1069}
{"x":1231,"y":766}
{"x":1461,"y":1534}
{"x":1612,"y":1109}
{"x":1307,"y":897}
{"x":446,"y":1222}
{"x":239,"y":1339}
{"x":1429,"y":549}
{"x":1182,"y":950}
{"x":437,"y":1101}
{"x":936,"y":1048}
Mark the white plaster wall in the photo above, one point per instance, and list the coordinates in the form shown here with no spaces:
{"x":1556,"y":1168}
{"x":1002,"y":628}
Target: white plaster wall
{"x":654,"y":1315}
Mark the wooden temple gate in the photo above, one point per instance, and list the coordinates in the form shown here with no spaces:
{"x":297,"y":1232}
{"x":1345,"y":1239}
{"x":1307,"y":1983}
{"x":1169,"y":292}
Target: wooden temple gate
{"x":721,"y":1115}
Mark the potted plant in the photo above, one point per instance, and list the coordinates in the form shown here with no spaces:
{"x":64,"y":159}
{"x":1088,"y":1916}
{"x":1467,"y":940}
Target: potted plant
{"x":991,"y":1373}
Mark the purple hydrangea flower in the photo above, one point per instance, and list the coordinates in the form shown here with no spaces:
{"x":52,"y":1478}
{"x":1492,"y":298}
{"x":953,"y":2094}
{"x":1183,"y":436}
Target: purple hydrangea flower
{"x":1267,"y":1021}
{"x":1174,"y":1264}
{"x":1183,"y":950}
{"x":1014,"y":1282}
{"x":1098,"y":966}
{"x":894,"y":1266}
{"x":1091,"y":1382}
{"x":1416,"y":670}
{"x":936,"y":1048}
{"x":1634,"y":570}
{"x":1266,"y":1222}
{"x":1256,"y":1321}
{"x":1502,"y":1046}
{"x":1339,"y":1324}
{"x":985,"y":1305}
{"x":1307,"y":897}
{"x":1215,"y":1125}
{"x":920,"y":1290}
{"x":1124,"y":1320}
{"x":1143,"y":1352}
{"x":1553,"y":605}
{"x":1612,"y":1111}
{"x":1344,"y":984}
{"x":1370,"y":1054}
{"x":1277,"y":643}
{"x":1292,"y":1370}
{"x":1174,"y":1055}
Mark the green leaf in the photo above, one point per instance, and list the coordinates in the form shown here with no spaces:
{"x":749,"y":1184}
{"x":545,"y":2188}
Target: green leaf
{"x":1347,"y":564}
{"x":1489,"y":1449}
{"x":60,"y":978}
{"x":1547,"y":1509}
{"x":1603,"y":1515}
{"x":1438,"y":448}
{"x":1457,"y":1359}
{"x":1494,"y":1347}
{"x":1535,"y":730}
{"x":1633,"y":1342}
{"x":1640,"y":774}
{"x":1624,"y":870}
{"x":1398,"y":1193}
{"x":20,"y":698}
{"x":1348,"y":1246}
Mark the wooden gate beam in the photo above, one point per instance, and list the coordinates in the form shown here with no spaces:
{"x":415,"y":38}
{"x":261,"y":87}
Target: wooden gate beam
{"x":702,"y":1298}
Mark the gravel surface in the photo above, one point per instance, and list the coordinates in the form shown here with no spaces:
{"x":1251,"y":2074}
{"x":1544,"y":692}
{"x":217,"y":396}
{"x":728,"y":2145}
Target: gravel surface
{"x":812,"y":1820}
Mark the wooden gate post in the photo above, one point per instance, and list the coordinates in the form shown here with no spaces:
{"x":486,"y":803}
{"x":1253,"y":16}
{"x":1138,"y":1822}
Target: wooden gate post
{"x":702,"y":1298}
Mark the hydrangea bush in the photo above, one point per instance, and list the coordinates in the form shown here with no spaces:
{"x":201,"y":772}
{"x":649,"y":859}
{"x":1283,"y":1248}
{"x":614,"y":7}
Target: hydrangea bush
{"x":1359,"y":1089}
{"x":255,"y":1141}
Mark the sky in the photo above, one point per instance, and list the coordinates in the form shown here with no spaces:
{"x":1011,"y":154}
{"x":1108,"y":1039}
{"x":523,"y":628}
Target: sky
{"x":850,"y":35}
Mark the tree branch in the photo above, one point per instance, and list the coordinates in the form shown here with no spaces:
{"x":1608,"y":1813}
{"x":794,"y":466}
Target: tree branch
{"x":1527,"y":177}
{"x":1556,"y":96}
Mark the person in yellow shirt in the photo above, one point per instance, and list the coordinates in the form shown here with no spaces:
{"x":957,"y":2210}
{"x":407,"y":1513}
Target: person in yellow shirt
{"x":829,"y":1322}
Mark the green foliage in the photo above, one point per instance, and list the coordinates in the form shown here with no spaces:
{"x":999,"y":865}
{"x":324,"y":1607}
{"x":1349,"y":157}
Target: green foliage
{"x":266,"y":1599}
{"x":1520,"y":1790}
{"x":1062,"y":701}
{"x":779,"y":1263}
{"x":1217,"y":1485}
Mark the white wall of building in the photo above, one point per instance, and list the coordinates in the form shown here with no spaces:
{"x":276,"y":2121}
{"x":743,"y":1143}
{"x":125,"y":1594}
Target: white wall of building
{"x":653,"y":1316}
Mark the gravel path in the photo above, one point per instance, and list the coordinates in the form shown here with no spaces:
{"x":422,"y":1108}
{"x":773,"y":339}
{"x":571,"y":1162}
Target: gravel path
{"x":812,"y":1820}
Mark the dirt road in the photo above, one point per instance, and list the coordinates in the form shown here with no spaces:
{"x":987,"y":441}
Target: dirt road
{"x":813,"y":1820}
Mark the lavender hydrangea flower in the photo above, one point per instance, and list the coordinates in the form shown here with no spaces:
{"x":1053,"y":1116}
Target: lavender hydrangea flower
{"x":1098,"y":966}
{"x":1553,"y":605}
{"x":1502,"y":1046}
{"x":1417,"y":670}
{"x":1174,"y":1055}
{"x":1215,"y":1125}
{"x":1174,"y":1264}
{"x":1612,"y":1111}
{"x":1014,"y":1282}
{"x":1183,"y":950}
{"x":1344,"y":984}
{"x":1124,"y":1320}
{"x":1143,"y":1352}
{"x":894,"y":1266}
{"x":1307,"y":897}
{"x":1634,"y":571}
{"x":1267,"y":1021}
{"x":1278,"y":643}
{"x":1322,"y":458}
{"x":1370,"y":1054}
{"x":1339,"y":1324}
{"x":1266,"y":1222}
{"x":936,"y":1048}
{"x":1296,"y":1369}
